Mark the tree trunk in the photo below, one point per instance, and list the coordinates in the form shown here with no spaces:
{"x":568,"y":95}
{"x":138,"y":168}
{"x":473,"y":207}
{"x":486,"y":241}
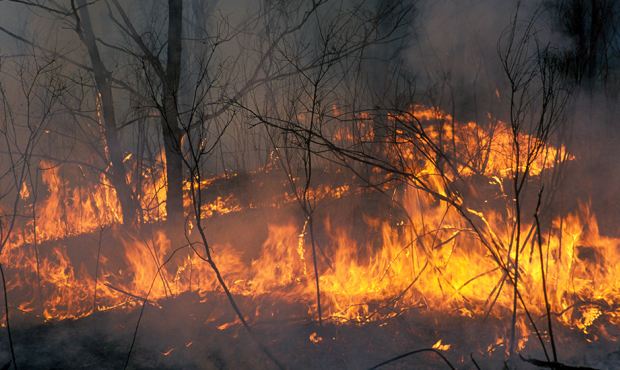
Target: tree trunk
{"x":171,"y":132}
{"x":118,"y":173}
{"x":595,"y":33}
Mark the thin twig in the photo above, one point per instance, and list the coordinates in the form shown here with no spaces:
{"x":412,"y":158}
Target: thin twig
{"x":433,"y":350}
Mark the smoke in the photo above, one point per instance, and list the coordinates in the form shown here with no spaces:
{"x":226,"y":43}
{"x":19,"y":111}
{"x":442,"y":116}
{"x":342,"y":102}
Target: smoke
{"x":453,"y":54}
{"x":455,"y":57}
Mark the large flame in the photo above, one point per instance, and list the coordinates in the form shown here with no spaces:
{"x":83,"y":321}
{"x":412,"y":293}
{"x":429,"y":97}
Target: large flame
{"x":430,"y":257}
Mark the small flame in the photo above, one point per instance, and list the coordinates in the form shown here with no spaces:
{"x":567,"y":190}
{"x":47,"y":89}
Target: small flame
{"x":24,"y":193}
{"x":441,"y":347}
{"x":315,"y":338}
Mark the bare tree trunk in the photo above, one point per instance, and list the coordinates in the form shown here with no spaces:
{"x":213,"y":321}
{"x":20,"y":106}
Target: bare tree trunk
{"x":118,"y":173}
{"x":171,"y":132}
{"x":595,"y":33}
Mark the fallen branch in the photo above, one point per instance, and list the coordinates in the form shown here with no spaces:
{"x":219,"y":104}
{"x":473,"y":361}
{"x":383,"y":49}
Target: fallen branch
{"x":136,"y":297}
{"x":433,"y":350}
{"x":471,"y":355}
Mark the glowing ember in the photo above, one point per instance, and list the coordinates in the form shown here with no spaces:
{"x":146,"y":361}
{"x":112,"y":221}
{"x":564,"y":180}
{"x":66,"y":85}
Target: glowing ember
{"x":315,"y":338}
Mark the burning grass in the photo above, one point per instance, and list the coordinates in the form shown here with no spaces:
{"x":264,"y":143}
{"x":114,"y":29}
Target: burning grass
{"x":416,"y":257}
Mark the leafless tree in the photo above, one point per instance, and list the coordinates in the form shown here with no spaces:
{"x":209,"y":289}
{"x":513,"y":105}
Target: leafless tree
{"x":591,"y":26}
{"x":21,"y":132}
{"x":105,"y":98}
{"x":303,"y":100}
{"x":536,"y":101}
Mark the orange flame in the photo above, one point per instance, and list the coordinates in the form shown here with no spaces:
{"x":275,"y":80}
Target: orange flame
{"x":433,"y":258}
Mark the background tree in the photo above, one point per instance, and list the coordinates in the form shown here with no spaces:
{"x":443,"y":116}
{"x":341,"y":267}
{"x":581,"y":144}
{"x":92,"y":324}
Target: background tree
{"x":105,"y":102}
{"x":21,"y":132}
{"x":591,"y":56}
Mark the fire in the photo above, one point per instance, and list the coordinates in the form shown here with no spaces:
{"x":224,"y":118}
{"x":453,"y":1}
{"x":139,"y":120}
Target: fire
{"x":315,"y":338}
{"x":440,"y":346}
{"x":24,"y":193}
{"x":477,"y":150}
{"x":430,"y":258}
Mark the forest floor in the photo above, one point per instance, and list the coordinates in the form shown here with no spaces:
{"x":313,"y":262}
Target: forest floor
{"x":188,"y":331}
